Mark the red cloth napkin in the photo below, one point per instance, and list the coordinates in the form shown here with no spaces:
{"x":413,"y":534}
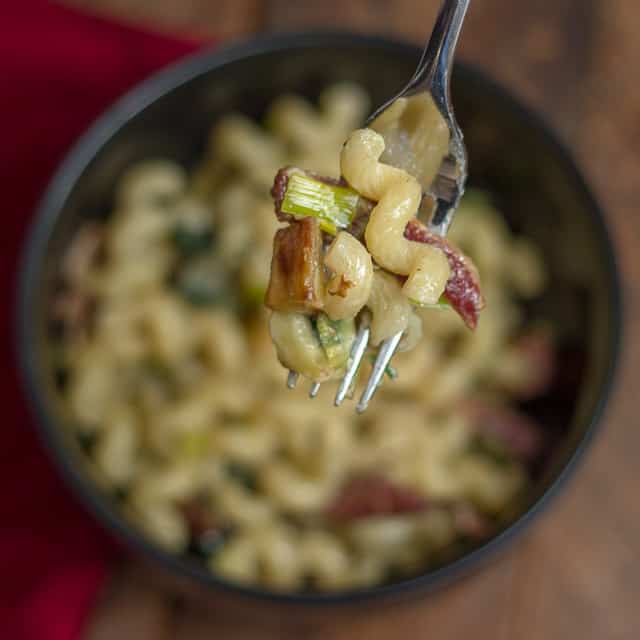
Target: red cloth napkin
{"x":59,"y":69}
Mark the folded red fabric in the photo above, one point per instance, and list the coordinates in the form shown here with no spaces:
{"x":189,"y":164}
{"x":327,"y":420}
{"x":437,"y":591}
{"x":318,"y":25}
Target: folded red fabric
{"x":59,"y":69}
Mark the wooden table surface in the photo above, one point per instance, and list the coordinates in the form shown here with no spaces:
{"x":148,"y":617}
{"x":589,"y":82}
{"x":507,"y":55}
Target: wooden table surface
{"x":577,"y":574}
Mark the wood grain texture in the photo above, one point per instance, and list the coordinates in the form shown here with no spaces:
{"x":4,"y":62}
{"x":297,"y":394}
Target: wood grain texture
{"x":577,"y":574}
{"x":191,"y":18}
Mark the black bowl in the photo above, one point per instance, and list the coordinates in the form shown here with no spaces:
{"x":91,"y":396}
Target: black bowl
{"x":512,"y":153}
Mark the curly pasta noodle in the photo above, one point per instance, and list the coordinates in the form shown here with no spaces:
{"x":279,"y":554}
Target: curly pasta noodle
{"x":398,"y":197}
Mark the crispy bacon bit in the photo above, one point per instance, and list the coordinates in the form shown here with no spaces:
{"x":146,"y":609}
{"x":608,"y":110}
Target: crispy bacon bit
{"x":470,"y":522}
{"x":463,"y":286}
{"x":519,"y":434}
{"x":83,"y":252}
{"x":198,"y":516}
{"x":296,"y":269}
{"x":536,"y":349}
{"x":73,"y":309}
{"x":373,"y":495}
{"x":280,"y":184}
{"x":207,"y":535}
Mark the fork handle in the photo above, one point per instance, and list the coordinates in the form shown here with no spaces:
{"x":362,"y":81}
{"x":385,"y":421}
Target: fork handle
{"x":434,"y":69}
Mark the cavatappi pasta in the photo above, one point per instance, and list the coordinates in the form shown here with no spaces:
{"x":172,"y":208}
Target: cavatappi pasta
{"x":398,"y":196}
{"x":177,"y":398}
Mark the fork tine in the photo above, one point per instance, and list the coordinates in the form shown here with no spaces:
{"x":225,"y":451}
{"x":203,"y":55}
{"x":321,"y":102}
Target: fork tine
{"x":292,"y":379}
{"x":385,"y":353}
{"x":357,"y":353}
{"x":315,"y":387}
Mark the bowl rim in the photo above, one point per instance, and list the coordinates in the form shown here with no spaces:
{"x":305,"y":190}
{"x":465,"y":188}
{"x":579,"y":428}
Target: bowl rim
{"x":60,"y":186}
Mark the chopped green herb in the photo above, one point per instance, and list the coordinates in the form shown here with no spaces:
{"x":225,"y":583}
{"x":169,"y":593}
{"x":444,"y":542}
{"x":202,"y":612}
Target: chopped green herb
{"x":202,"y":282}
{"x":190,"y":241}
{"x":334,"y":206}
{"x":336,"y":338}
{"x":87,"y":440}
{"x":242,"y":474}
{"x":391,"y":372}
{"x":61,"y":377}
{"x":121,"y":494}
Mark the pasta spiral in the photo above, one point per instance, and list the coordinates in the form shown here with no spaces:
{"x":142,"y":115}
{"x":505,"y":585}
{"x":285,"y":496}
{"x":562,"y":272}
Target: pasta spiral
{"x":398,"y":196}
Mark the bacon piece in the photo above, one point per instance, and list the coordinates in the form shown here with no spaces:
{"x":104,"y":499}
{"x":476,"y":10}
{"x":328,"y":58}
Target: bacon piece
{"x":280,"y":184}
{"x":83,"y":252}
{"x":520,"y":435}
{"x":207,"y":535}
{"x":73,"y":308}
{"x":469,"y":522}
{"x":373,"y":495}
{"x":296,"y":284}
{"x":73,"y":312}
{"x":463,"y":286}
{"x":536,"y":348}
{"x":198,"y":516}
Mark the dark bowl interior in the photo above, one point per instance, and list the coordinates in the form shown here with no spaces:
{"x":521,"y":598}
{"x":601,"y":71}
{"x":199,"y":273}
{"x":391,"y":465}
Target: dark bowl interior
{"x":530,"y":175}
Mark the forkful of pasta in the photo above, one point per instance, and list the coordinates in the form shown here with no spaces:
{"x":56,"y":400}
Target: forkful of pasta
{"x":355,"y":264}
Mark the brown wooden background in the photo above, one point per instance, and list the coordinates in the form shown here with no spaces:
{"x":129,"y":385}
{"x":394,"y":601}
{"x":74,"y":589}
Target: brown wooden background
{"x":577,"y":574}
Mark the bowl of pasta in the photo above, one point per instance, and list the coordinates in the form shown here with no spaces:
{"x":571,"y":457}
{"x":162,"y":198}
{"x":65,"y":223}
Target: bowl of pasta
{"x":146,"y":353}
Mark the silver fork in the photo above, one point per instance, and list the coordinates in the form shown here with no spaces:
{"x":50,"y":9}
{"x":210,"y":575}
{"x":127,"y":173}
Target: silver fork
{"x":431,"y":76}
